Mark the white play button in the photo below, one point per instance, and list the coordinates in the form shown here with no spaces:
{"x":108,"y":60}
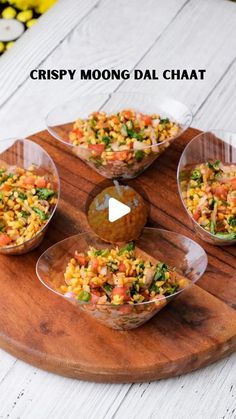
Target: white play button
{"x":116,"y":209}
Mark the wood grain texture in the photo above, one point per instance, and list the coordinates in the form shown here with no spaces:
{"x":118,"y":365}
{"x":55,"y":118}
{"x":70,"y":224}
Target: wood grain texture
{"x":50,"y":333}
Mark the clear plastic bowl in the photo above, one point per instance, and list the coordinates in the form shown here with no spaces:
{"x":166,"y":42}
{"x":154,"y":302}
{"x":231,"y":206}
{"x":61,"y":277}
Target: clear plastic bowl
{"x":212,"y":145}
{"x":60,"y":122}
{"x":25,"y":153}
{"x":176,"y":250}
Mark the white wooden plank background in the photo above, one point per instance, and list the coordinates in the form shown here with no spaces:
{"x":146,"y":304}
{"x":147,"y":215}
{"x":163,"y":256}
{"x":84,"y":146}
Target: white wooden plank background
{"x":120,"y":34}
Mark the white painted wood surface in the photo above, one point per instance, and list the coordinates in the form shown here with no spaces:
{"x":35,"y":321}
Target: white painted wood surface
{"x":122,"y":34}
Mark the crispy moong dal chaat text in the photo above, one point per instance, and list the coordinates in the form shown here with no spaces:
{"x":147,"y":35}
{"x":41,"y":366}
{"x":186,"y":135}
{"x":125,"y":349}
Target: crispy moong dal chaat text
{"x":209,"y":193}
{"x":119,"y":275}
{"x":124,"y":143}
{"x":26,"y":203}
{"x":124,"y":229}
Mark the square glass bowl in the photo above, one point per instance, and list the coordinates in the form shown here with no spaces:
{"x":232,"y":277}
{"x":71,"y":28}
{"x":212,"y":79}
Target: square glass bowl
{"x":177,"y":251}
{"x":212,"y":146}
{"x":24,"y":153}
{"x":121,"y":164}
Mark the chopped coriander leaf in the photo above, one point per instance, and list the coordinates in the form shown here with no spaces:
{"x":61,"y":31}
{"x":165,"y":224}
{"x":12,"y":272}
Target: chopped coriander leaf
{"x":139,"y":155}
{"x":24,"y":214}
{"x":107,"y":288}
{"x":154,"y":288}
{"x":172,"y":290}
{"x":9,"y":176}
{"x":106,"y":140}
{"x":44,"y":193}
{"x":112,"y":265}
{"x":135,"y":135}
{"x":129,"y":248}
{"x":161,"y":269}
{"x":41,"y":214}
{"x":164,"y":121}
{"x":162,"y":266}
{"x":101,"y":252}
{"x":22,"y":195}
{"x":1,"y":196}
{"x":232,"y":221}
{"x":92,"y":122}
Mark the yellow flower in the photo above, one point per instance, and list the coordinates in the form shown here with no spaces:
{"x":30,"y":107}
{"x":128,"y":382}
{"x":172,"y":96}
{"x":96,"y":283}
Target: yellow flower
{"x":40,"y":6}
{"x":44,"y":5}
{"x":24,"y":4}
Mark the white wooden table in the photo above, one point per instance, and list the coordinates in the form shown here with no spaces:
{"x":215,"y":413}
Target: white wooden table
{"x":122,"y":34}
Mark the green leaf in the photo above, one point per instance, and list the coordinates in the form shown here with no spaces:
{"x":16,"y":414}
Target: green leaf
{"x":135,"y":135}
{"x":44,"y":193}
{"x":106,"y":140}
{"x":41,"y":214}
{"x":25,"y":214}
{"x":164,"y":121}
{"x":154,"y":288}
{"x":129,"y":248}
{"x":161,"y":268}
{"x":22,"y":195}
{"x":107,"y":288}
{"x":101,"y":252}
{"x":232,"y":221}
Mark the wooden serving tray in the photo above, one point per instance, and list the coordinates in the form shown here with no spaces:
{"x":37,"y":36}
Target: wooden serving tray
{"x":198,"y":328}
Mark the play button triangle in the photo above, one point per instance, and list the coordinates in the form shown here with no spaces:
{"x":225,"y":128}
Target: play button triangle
{"x":116,"y":209}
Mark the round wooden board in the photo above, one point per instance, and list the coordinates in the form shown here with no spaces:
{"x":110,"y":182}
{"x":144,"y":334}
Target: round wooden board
{"x":198,"y":328}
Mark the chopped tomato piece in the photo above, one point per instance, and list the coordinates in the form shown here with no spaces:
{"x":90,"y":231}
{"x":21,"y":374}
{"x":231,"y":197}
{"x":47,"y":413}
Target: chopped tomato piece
{"x":29,"y":180}
{"x":220,"y":192}
{"x":97,"y":148}
{"x":78,"y":132}
{"x":81,"y":258}
{"x":122,"y":292}
{"x":6,"y":187}
{"x":197,"y":214}
{"x":127,"y":114}
{"x":122,"y":267}
{"x":115,"y":119}
{"x":146,"y":119}
{"x":4,"y":239}
{"x":94,"y":265}
{"x":41,"y":182}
